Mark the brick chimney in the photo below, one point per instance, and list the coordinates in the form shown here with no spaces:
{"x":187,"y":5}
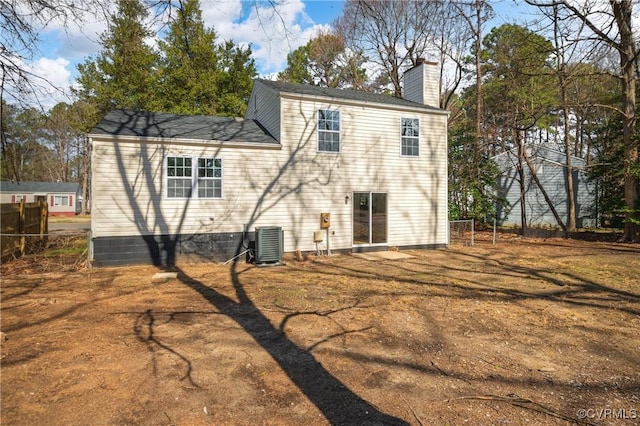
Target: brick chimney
{"x":422,"y":83}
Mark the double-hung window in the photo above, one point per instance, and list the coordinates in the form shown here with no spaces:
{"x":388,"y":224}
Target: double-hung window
{"x":193,"y":177}
{"x":410,"y":139}
{"x":328,"y":130}
{"x":179,"y":177}
{"x":209,"y":178}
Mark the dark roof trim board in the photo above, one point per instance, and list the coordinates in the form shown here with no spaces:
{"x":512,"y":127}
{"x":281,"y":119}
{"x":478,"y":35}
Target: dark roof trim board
{"x":357,"y":96}
{"x":163,"y":126}
{"x":40,"y":187}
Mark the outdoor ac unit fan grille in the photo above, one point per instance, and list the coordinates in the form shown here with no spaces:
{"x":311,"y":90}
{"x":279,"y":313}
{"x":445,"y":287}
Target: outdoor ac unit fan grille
{"x":268,"y":244}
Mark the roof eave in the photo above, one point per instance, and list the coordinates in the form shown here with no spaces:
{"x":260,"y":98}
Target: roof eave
{"x":185,"y":141}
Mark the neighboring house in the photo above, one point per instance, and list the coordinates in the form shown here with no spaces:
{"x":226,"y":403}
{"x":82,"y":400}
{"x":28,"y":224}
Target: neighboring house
{"x":63,"y":198}
{"x":166,"y":186}
{"x":551,"y":170}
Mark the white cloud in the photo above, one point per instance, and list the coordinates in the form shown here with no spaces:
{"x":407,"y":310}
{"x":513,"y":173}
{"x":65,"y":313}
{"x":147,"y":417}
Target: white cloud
{"x":49,"y":83}
{"x":77,"y":44}
{"x":222,"y":14}
{"x":55,"y":82}
{"x":54,"y":70}
{"x":272,"y":31}
{"x":77,"y":36}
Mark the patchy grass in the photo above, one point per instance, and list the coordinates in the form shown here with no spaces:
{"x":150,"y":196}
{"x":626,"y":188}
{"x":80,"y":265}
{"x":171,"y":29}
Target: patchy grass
{"x":70,"y":219}
{"x":79,"y":249}
{"x":60,"y":252}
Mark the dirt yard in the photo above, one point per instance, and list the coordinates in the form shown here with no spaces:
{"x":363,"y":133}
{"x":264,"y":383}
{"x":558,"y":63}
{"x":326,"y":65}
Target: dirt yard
{"x":538,"y":332}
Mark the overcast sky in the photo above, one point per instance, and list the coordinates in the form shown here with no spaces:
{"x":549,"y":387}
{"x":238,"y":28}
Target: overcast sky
{"x":271,"y":33}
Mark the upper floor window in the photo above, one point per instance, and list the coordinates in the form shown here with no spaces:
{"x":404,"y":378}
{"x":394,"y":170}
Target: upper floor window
{"x":410,"y":140}
{"x":194,"y":177}
{"x":328,"y":130}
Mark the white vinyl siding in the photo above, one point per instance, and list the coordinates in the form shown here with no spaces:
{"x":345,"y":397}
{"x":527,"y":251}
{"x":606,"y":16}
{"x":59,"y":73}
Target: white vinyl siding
{"x":413,"y":83}
{"x":289,"y":186}
{"x":422,"y":84}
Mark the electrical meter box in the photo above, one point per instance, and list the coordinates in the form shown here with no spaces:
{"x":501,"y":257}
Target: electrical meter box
{"x":325,"y":220}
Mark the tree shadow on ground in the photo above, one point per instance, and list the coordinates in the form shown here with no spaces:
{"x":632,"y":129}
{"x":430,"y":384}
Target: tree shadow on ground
{"x":570,"y":288}
{"x":338,"y":403}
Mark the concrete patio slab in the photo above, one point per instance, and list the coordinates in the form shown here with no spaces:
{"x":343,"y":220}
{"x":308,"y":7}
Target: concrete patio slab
{"x":386,"y":255}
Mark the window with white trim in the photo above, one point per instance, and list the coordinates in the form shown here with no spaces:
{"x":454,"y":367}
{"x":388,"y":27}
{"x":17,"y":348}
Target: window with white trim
{"x":209,"y":178}
{"x":195,"y":177}
{"x":328,"y":130}
{"x":410,"y":137}
{"x":60,"y":200}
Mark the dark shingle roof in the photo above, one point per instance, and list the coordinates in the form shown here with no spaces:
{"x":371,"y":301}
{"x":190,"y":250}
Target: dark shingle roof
{"x":48,"y":187}
{"x":344,"y":94}
{"x":163,"y":125}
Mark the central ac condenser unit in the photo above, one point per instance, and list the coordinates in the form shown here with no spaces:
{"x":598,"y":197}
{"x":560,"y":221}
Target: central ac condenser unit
{"x":269,"y":244}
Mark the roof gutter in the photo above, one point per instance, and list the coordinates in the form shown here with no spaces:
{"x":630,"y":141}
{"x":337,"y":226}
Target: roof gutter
{"x":184,"y":141}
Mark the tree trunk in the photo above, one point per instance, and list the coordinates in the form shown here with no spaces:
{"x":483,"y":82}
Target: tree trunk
{"x":571,"y":196}
{"x":479,"y":102}
{"x":523,"y":188}
{"x":86,"y":170}
{"x":568,"y":149}
{"x":622,"y":15}
{"x":478,"y":46}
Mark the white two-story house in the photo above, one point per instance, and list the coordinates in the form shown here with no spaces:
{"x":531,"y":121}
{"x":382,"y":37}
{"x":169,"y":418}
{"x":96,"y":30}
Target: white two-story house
{"x":314,"y":168}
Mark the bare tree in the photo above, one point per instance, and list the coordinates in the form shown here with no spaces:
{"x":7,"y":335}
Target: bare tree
{"x":22,"y":22}
{"x":611,"y":27}
{"x":64,"y":141}
{"x":563,"y":44}
{"x":392,"y":34}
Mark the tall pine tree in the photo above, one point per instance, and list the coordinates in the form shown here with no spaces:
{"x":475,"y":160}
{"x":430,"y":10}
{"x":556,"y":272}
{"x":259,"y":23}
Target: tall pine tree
{"x":123,"y":73}
{"x":238,"y":70}
{"x":189,"y":73}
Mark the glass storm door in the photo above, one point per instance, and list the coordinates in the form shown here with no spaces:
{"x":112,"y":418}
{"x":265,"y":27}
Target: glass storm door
{"x":369,"y":218}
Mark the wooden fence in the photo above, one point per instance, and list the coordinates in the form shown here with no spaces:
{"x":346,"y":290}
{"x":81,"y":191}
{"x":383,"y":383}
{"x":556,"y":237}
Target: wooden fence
{"x":24,"y":228}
